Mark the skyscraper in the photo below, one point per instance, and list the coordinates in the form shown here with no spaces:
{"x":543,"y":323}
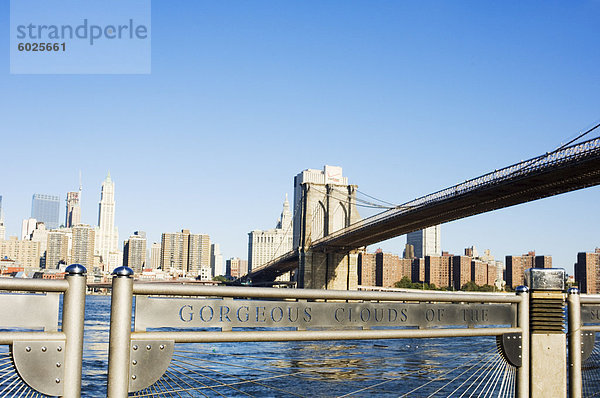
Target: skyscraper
{"x":73,"y":213}
{"x":155,"y":256}
{"x":82,"y":249}
{"x":134,"y":252}
{"x":35,"y":232}
{"x":266,"y":245}
{"x":186,"y":252}
{"x":216,"y":260}
{"x":46,"y":208}
{"x":58,"y":249}
{"x":27,"y":228}
{"x":2,"y":227}
{"x":427,"y":242}
{"x":199,"y":256}
{"x":107,"y":235}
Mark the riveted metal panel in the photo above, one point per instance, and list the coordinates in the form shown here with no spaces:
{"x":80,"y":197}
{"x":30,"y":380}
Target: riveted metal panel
{"x":149,"y":360}
{"x":156,"y":312}
{"x":41,"y":365}
{"x":29,"y":311}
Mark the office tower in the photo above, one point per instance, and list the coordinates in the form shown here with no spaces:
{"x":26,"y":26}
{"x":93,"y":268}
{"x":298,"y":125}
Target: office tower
{"x":134,"y":252}
{"x":58,"y":248}
{"x":186,"y":252}
{"x":27,"y":227}
{"x":174,"y":250}
{"x":82,"y":247}
{"x":199,"y":256}
{"x":73,"y":212}
{"x":267,"y":245}
{"x":236,"y":267}
{"x":426,"y":242}
{"x":46,"y":208}
{"x":587,"y":272}
{"x":107,"y":235}
{"x":2,"y":227}
{"x":216,"y":260}
{"x":155,"y":256}
{"x":26,"y":253}
{"x":39,"y":234}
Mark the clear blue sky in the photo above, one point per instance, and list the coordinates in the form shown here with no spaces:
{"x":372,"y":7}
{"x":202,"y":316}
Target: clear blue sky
{"x":408,"y":97}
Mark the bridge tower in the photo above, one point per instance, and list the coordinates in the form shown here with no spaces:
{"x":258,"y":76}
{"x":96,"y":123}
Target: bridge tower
{"x":324,"y":202}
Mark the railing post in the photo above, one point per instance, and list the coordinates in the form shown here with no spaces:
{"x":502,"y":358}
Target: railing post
{"x":120,"y":332}
{"x":575,"y":381}
{"x":523,"y":323}
{"x":73,"y":315}
{"x":548,"y":340}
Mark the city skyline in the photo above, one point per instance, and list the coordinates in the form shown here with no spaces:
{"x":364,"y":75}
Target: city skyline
{"x":395,"y":250}
{"x":212,"y":138}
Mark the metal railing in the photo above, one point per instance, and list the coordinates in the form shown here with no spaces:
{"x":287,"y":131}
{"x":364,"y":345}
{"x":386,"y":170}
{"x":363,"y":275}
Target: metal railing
{"x":48,"y":358}
{"x":584,"y":353}
{"x":292,"y":315}
{"x":48,"y":361}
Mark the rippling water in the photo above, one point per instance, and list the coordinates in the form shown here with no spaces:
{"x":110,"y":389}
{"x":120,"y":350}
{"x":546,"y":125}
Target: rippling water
{"x":330,"y":368}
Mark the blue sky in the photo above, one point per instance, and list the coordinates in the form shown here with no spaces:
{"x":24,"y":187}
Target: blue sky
{"x":408,"y":97}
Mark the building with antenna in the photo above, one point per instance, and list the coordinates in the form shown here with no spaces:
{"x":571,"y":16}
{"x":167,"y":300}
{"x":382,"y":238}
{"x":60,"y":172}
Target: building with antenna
{"x":266,"y":245}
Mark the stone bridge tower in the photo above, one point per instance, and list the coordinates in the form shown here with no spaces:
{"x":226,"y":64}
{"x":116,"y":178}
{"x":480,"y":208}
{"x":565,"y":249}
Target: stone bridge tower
{"x":323,"y":204}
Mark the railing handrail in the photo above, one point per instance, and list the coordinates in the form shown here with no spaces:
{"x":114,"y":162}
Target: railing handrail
{"x":33,"y":285}
{"x":590,"y":299}
{"x":317,"y":294}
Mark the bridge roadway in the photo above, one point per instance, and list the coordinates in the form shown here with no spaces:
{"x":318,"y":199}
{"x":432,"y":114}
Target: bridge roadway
{"x":568,"y":169}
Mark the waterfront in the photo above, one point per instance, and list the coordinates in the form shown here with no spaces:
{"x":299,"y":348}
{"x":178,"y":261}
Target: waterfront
{"x":330,"y":368}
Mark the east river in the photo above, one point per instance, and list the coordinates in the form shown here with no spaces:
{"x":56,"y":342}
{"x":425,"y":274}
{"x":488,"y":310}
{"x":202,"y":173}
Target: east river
{"x":416,"y":367}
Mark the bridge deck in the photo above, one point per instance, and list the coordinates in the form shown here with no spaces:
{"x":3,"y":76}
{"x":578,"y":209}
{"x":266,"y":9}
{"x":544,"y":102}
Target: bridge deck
{"x":553,"y":173}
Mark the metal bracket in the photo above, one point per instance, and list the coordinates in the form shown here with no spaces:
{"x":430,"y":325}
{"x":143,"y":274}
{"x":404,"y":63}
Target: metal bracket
{"x":149,"y":361}
{"x":588,"y":339}
{"x":40,"y":365}
{"x":510,"y":347}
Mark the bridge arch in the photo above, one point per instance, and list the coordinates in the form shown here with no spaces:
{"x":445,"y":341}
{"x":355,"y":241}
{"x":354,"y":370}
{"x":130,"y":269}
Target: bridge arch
{"x":339,"y":217}
{"x":319,"y":221}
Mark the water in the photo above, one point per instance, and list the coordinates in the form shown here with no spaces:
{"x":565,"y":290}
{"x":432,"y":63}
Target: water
{"x":330,"y":368}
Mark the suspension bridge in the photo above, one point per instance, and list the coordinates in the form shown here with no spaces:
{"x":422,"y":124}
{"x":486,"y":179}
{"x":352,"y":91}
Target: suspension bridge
{"x":566,"y":169}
